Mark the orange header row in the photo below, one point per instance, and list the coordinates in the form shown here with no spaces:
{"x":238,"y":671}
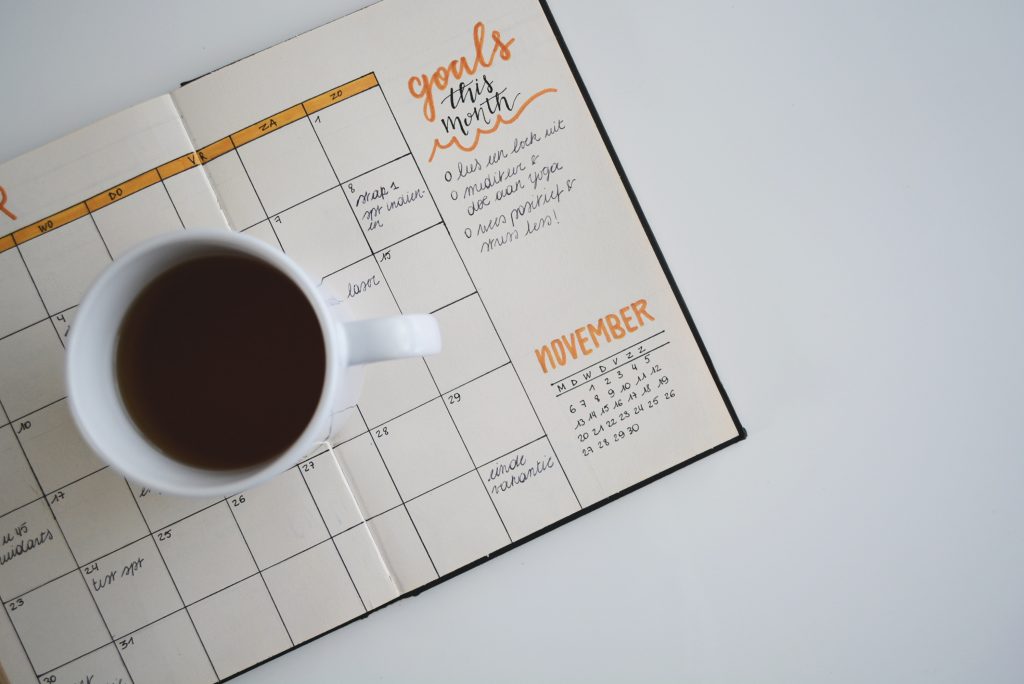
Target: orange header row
{"x":49,"y":223}
{"x":315,"y":104}
{"x":188,"y":161}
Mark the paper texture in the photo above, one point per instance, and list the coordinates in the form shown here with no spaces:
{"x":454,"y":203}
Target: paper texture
{"x":412,"y":157}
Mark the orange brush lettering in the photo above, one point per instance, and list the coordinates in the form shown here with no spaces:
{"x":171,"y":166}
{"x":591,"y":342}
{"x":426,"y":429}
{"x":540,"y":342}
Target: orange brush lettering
{"x":3,"y":205}
{"x":423,"y":86}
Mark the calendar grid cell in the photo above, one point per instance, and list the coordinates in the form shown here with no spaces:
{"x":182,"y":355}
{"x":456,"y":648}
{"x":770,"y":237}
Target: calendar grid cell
{"x":21,"y":642}
{"x":402,"y":505}
{"x":348,"y":573}
{"x":163,"y":184}
{"x":39,"y":294}
{"x":266,"y":216}
{"x":376,"y":448}
{"x":92,"y":220}
{"x":297,"y":204}
{"x":260,"y":573}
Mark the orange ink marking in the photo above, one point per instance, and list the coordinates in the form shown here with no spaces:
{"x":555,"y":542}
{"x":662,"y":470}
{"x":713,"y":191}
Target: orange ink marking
{"x":438,"y":145}
{"x":3,"y":205}
{"x":585,"y":340}
{"x":423,"y":86}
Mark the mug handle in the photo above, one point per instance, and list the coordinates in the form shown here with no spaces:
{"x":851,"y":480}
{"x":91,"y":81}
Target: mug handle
{"x":392,"y":337}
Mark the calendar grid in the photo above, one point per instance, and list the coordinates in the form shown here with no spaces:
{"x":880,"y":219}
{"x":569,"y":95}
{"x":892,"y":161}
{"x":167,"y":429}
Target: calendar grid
{"x":220,"y":501}
{"x":235,"y":143}
{"x":403,"y":505}
{"x":49,"y":316}
{"x":333,"y":187}
{"x":266,"y":216}
{"x":184,"y":609}
{"x":21,"y":643}
{"x":35,"y":323}
{"x":45,"y":494}
{"x":433,"y":399}
{"x":44,"y":406}
{"x":440,"y":395}
{"x":260,"y":573}
{"x":188,"y":604}
{"x":373,"y":254}
{"x":106,"y":247}
{"x":449,"y":481}
{"x":476,"y":468}
{"x":331,"y":539}
{"x":163,"y":184}
{"x":124,"y":636}
{"x":482,"y":304}
{"x":57,"y":524}
{"x":388,"y":285}
{"x":7,"y":615}
{"x":601,"y":375}
{"x":163,"y":561}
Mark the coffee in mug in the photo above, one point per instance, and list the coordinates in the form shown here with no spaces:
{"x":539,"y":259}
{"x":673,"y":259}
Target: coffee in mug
{"x":203,"y":363}
{"x":220,"y":361}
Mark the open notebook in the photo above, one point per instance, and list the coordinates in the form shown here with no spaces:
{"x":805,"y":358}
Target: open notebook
{"x":412,"y":157}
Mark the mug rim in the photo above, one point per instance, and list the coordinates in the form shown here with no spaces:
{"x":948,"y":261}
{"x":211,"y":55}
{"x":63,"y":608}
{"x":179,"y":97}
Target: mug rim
{"x":133,"y":466}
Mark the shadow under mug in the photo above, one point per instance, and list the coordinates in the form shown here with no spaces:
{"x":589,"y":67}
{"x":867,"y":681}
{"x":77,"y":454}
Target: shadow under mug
{"x":92,"y":387}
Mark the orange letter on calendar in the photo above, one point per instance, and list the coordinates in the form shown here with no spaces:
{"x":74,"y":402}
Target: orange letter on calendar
{"x":3,"y":205}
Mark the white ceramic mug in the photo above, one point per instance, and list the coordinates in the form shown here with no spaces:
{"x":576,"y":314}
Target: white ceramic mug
{"x":95,"y":400}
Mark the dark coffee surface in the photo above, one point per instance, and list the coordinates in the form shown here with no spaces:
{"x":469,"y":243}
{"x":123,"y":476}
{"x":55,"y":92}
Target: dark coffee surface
{"x":220,"y":362}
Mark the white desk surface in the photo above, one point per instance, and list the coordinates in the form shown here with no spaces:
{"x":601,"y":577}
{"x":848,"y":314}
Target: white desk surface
{"x":839,"y":190}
